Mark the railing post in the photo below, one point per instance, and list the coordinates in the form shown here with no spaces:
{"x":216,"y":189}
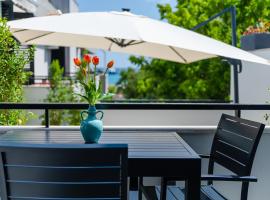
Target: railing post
{"x":237,"y":113}
{"x":47,"y":118}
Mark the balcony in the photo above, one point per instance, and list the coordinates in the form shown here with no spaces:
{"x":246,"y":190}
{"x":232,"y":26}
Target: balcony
{"x":194,"y":122}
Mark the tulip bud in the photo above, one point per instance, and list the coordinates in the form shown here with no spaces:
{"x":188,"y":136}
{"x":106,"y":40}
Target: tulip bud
{"x":110,"y":64}
{"x":95,"y":60}
{"x":87,"y":58}
{"x":77,"y":62}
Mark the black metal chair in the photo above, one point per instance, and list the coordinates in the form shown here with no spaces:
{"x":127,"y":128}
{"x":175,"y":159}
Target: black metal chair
{"x":65,"y":171}
{"x":234,"y":147}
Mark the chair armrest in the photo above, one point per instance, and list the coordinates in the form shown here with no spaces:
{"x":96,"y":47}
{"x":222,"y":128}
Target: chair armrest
{"x":204,"y":156}
{"x":210,"y":177}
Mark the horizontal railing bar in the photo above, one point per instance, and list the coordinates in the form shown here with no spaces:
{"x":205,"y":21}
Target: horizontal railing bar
{"x":138,"y":106}
{"x":114,"y":128}
{"x":191,"y":129}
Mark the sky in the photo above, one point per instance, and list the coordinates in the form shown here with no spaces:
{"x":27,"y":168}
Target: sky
{"x":141,"y":7}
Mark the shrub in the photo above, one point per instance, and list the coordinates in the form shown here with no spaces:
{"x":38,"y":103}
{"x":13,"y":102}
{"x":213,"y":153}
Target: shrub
{"x":61,"y":91}
{"x":12,"y":75}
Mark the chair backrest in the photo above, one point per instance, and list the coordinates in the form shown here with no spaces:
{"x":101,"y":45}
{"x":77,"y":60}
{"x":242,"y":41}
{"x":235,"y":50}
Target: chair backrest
{"x":235,"y":143}
{"x":49,"y":171}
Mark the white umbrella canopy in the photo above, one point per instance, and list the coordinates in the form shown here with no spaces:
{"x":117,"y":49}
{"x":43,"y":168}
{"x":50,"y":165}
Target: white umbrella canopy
{"x":127,"y":33}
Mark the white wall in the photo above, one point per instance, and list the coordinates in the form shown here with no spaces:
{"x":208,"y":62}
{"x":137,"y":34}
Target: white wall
{"x":71,"y":53}
{"x":43,"y":7}
{"x":254,"y":83}
{"x":139,"y":117}
{"x":41,"y":62}
{"x":73,"y":6}
{"x":254,"y":80}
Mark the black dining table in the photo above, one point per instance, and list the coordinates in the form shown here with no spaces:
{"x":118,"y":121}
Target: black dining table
{"x":150,"y":153}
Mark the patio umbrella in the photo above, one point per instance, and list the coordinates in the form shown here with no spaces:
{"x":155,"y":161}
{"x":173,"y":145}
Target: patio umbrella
{"x":125,"y":32}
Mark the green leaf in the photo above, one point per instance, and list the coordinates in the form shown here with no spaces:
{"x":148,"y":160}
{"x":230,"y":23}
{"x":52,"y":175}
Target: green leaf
{"x":13,"y":75}
{"x":106,"y":96}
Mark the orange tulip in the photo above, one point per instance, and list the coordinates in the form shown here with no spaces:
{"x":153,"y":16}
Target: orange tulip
{"x":95,"y":60}
{"x":77,"y":62}
{"x":87,"y":58}
{"x":110,"y":64}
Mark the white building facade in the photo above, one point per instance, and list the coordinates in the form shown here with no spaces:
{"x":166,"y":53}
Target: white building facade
{"x":17,"y":9}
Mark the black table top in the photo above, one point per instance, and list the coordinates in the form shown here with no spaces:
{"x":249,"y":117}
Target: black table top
{"x":165,"y":145}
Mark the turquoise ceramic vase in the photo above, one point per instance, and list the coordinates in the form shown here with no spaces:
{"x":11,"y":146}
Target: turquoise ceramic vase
{"x":91,"y":127}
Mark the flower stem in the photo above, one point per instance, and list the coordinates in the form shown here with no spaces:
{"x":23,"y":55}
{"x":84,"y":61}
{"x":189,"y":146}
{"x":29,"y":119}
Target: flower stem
{"x":106,"y":71}
{"x":89,"y":72}
{"x":95,"y":74}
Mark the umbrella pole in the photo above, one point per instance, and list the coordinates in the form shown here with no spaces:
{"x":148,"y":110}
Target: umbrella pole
{"x":235,"y":63}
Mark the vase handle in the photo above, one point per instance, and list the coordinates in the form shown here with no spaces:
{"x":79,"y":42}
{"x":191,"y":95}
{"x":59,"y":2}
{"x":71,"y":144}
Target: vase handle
{"x":101,"y":114}
{"x":83,"y":113}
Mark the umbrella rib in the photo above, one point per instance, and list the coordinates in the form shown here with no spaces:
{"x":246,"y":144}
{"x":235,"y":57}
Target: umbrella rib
{"x":132,"y":42}
{"x":182,"y":57}
{"x":112,"y":40}
{"x":110,"y":46}
{"x":20,"y":30}
{"x":121,"y":42}
{"x":45,"y":34}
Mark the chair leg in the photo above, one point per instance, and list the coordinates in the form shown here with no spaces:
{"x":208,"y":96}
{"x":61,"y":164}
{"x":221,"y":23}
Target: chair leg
{"x":133,"y":183}
{"x":140,"y":188}
{"x":244,"y":191}
{"x":163,"y":188}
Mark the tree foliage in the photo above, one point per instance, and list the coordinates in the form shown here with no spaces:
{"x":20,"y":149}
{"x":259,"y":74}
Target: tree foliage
{"x":207,"y":79}
{"x":12,"y":75}
{"x":61,"y":91}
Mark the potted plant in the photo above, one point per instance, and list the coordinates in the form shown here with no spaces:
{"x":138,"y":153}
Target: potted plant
{"x":91,"y":127}
{"x":256,"y":37}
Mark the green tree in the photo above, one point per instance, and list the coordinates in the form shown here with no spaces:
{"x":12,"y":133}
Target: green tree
{"x":12,"y":75}
{"x":207,"y":79}
{"x":128,"y":83}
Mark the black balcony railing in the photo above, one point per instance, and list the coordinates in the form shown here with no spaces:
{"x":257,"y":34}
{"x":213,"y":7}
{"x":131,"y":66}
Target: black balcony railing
{"x":133,"y":106}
